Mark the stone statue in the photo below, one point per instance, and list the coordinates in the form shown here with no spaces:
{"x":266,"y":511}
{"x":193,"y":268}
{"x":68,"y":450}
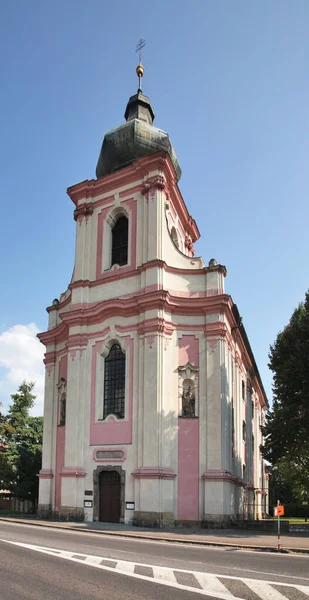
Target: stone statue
{"x":188,"y":403}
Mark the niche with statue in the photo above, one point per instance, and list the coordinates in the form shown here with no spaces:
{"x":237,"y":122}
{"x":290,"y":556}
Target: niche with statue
{"x":188,"y":391}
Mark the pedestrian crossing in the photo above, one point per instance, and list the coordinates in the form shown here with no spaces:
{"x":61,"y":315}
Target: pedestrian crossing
{"x":223,"y":587}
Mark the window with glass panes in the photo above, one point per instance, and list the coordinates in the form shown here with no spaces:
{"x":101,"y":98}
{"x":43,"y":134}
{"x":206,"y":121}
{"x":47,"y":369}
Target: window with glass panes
{"x":120,"y":242}
{"x":114,"y":382}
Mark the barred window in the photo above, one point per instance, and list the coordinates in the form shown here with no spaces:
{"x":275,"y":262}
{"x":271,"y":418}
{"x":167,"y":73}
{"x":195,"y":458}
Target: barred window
{"x":120,"y":242}
{"x":114,"y":382}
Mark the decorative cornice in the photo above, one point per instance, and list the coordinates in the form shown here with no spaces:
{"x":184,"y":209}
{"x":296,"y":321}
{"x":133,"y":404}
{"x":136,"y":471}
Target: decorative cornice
{"x":46,"y":474}
{"x":156,"y":325}
{"x":192,"y":368}
{"x":218,"y":475}
{"x":154,"y":473}
{"x":152,"y":184}
{"x":140,"y":169}
{"x":216,"y":329}
{"x":83,"y":210}
{"x":72,"y":472}
{"x":54,"y":336}
{"x":159,"y":299}
{"x":133,"y":306}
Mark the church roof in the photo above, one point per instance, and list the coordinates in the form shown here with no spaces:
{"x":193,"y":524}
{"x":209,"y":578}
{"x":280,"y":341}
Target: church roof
{"x":136,"y":138}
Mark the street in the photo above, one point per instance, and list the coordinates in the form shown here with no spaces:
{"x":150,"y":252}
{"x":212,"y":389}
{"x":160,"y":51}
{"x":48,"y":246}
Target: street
{"x":38,"y":562}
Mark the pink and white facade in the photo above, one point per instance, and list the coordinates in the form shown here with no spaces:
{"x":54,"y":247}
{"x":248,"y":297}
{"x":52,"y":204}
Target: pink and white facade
{"x":177,"y":329}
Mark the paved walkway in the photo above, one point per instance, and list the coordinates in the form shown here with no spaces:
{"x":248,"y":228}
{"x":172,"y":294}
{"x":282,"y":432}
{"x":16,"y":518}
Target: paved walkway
{"x":234,"y":538}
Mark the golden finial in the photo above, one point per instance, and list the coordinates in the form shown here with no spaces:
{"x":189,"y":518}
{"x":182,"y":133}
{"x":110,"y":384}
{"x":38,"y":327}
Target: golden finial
{"x":140,"y":69}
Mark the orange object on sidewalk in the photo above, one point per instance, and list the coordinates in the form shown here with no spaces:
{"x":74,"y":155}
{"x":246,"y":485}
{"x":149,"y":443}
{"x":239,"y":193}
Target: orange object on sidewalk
{"x":279,"y":511}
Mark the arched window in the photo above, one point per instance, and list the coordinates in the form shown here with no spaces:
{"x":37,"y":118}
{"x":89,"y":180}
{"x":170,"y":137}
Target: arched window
{"x":62,"y":409}
{"x":120,"y":242}
{"x":114,"y":382}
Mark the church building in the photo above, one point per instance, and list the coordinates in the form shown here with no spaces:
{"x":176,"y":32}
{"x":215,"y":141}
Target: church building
{"x":153,"y":400}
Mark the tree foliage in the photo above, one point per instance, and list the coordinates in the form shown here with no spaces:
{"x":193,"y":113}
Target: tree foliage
{"x":22,"y":433}
{"x":286,"y":431}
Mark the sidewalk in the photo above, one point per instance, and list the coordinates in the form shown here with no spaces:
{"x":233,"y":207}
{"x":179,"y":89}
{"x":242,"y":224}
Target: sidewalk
{"x":250,"y":540}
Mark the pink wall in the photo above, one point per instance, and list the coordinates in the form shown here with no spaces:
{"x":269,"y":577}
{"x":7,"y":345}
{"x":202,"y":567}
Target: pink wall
{"x":59,"y":464}
{"x":60,"y":439}
{"x":188,"y":350}
{"x":188,"y":469}
{"x":188,"y":444}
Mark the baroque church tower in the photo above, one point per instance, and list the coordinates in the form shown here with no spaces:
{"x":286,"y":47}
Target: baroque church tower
{"x":153,"y":401}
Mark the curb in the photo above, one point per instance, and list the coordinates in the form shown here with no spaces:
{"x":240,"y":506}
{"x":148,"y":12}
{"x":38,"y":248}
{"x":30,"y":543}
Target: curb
{"x":149,"y":537}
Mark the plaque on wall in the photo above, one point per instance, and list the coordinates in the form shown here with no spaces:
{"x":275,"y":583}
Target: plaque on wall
{"x":88,"y":492}
{"x":130,"y":505}
{"x":87,"y":503}
{"x":108,"y":454}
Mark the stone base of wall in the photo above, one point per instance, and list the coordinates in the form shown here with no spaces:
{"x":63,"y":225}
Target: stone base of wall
{"x":153,"y":519}
{"x":188,"y":524}
{"x":261,"y":525}
{"x":70,"y":513}
{"x":220,"y":521}
{"x":44,"y":511}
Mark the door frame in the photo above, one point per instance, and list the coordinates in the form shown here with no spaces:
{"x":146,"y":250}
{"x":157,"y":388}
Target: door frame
{"x":96,"y":490}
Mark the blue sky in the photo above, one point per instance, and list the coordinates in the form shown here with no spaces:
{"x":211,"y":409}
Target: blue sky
{"x":227,"y":80}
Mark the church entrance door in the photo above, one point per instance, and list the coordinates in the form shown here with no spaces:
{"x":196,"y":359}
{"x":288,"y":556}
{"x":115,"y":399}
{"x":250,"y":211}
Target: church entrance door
{"x":109,"y":511}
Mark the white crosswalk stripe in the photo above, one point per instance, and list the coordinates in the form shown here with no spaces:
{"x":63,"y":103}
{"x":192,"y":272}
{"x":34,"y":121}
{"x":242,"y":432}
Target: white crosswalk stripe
{"x":210,"y":584}
{"x":264,"y":590}
{"x":124,"y":565}
{"x":303,"y":588}
{"x":164,"y":573}
{"x":93,"y":560}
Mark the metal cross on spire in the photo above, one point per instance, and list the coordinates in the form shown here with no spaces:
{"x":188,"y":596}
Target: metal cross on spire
{"x":141,"y":44}
{"x":140,"y":69}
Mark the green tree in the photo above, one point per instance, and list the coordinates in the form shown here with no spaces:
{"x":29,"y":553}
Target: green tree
{"x":5,"y":471}
{"x":4,"y":427}
{"x":24,"y":444}
{"x":286,"y":431}
{"x":282,"y":485}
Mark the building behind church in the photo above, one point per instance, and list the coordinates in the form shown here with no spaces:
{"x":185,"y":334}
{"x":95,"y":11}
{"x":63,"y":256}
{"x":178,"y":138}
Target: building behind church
{"x":153,"y":400}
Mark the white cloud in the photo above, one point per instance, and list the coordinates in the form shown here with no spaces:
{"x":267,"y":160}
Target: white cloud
{"x":21,"y":357}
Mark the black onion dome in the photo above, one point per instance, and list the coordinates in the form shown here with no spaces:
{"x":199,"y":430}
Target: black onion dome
{"x":134,"y":139}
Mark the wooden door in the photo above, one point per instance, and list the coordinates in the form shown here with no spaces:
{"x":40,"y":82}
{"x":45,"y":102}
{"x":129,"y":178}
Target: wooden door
{"x":109,"y":497}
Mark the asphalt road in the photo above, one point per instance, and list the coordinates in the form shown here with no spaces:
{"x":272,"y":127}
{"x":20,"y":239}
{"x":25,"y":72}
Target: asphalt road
{"x":26,"y":573}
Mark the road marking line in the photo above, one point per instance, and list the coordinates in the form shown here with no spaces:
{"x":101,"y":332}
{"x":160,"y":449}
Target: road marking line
{"x":94,"y":560}
{"x":65,"y":555}
{"x":123,"y":565}
{"x":303,"y":588}
{"x":211,"y":583}
{"x":164,"y":573}
{"x":264,"y":590}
